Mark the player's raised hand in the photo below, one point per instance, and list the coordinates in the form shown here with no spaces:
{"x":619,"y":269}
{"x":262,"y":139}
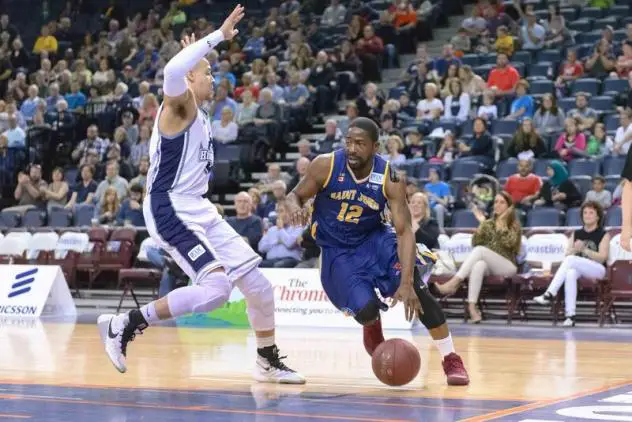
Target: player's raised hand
{"x":228,"y":27}
{"x":406,"y":294}
{"x":187,"y":40}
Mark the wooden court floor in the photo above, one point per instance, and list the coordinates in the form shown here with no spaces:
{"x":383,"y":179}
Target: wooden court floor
{"x":58,"y":372}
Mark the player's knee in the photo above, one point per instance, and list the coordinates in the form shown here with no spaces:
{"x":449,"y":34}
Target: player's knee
{"x":433,"y":315}
{"x":215,"y":291}
{"x":259,"y":295}
{"x":369,"y":314}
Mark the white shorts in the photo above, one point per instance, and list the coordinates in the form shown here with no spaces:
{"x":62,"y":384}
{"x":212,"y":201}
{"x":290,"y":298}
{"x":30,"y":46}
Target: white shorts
{"x":199,"y":240}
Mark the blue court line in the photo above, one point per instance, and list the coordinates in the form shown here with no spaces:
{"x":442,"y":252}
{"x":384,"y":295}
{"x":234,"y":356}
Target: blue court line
{"x":101,"y":405}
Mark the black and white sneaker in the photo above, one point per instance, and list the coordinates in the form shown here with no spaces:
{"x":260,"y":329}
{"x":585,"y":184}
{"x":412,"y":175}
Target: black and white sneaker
{"x":116,"y":332}
{"x":270,"y":369}
{"x":544,"y":299}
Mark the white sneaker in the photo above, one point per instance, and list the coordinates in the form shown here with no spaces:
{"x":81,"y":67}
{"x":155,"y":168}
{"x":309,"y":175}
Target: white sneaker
{"x":569,"y":322}
{"x":544,"y":299}
{"x":270,"y":369}
{"x":116,"y":340}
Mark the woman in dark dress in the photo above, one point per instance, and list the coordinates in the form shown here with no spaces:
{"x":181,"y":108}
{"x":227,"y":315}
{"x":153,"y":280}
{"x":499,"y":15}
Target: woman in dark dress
{"x":425,"y":228}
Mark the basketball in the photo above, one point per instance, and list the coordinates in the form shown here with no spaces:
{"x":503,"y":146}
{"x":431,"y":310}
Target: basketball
{"x":396,"y":362}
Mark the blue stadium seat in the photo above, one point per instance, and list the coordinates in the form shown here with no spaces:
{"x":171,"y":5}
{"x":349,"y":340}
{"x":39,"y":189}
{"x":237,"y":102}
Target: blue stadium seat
{"x":573,"y":217}
{"x":544,"y":217}
{"x":541,"y":87}
{"x":84,"y":215}
{"x":408,"y":167}
{"x":60,"y":217}
{"x":522,"y":57}
{"x":613,"y":217}
{"x":539,"y":167}
{"x":10,"y":219}
{"x":448,"y":124}
{"x":612,"y":122}
{"x":467,"y":128}
{"x":424,"y":172}
{"x":465,"y":169}
{"x":34,"y":218}
{"x":602,"y":103}
{"x":615,"y":86}
{"x":71,"y":175}
{"x":542,"y":69}
{"x":589,"y":85}
{"x":590,"y":13}
{"x":613,"y":166}
{"x":459,"y":188}
{"x":227,"y":152}
{"x":583,"y":167}
{"x":505,"y":127}
{"x":507,"y":168}
{"x":588,"y":37}
{"x":483,"y":70}
{"x":582,"y":183}
{"x":396,"y":92}
{"x":472,"y":60}
{"x":566,"y":104}
{"x":619,"y":10}
{"x":519,"y":66}
{"x":551,"y":56}
{"x":612,"y":183}
{"x":569,"y":14}
{"x":580,"y":25}
{"x":488,"y":59}
{"x":464,"y":219}
{"x":612,"y":21}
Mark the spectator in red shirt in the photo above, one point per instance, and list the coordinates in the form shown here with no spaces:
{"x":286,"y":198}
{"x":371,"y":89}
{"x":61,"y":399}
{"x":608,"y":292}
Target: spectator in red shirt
{"x":502,"y":81}
{"x":370,"y":48}
{"x":523,"y":186}
{"x":569,"y":71}
{"x":624,"y":62}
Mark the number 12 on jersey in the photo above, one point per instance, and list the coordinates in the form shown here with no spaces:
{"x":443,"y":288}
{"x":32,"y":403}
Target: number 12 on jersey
{"x":349,"y":214}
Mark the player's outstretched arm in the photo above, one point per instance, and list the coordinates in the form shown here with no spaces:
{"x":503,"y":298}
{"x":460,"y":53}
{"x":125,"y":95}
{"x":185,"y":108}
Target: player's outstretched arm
{"x":395,"y":190}
{"x":177,"y":93}
{"x":314,"y":180}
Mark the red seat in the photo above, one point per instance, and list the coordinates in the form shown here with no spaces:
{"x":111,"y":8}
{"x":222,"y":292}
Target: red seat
{"x":130,"y":277}
{"x":618,"y":286}
{"x":88,"y":261}
{"x":118,"y":251}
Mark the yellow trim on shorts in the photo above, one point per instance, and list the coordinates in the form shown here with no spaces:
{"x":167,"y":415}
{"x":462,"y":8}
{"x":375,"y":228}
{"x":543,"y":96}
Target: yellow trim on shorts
{"x":331,"y":170}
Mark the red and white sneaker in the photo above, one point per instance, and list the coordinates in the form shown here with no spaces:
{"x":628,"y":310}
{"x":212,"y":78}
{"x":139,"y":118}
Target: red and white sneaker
{"x":455,"y":370}
{"x":373,"y":336}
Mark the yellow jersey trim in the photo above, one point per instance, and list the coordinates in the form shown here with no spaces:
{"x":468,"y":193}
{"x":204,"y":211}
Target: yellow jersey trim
{"x":331,"y":170}
{"x":385,"y":179}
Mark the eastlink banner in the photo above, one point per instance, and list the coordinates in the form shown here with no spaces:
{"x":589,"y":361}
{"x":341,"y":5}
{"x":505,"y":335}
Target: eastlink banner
{"x":33,"y":291}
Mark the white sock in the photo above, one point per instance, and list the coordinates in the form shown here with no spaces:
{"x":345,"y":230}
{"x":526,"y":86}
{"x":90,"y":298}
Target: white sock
{"x":445,"y":345}
{"x":265,"y":342}
{"x":149,"y":313}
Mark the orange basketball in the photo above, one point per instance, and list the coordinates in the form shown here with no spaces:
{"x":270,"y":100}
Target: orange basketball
{"x":396,"y":362}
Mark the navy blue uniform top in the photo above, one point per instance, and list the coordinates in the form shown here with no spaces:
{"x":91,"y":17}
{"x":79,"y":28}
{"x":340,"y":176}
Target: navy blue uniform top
{"x":346,"y":211}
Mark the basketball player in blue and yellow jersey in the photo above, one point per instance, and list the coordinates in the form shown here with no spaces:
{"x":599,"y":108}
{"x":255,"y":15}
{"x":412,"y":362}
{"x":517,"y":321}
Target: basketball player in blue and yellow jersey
{"x":360,"y":252}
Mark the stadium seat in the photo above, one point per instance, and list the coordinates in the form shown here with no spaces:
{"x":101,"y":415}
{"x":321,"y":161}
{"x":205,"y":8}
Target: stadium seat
{"x":603,"y":103}
{"x":613,"y":166}
{"x":10,"y":219}
{"x":464,"y":219}
{"x":67,"y":251}
{"x":40,"y":246}
{"x":60,"y":217}
{"x":544,"y":217}
{"x":542,"y":69}
{"x":569,"y":14}
{"x":488,"y":59}
{"x":566,"y":104}
{"x":13,"y":247}
{"x":580,"y":26}
{"x":541,"y":87}
{"x":34,"y":218}
{"x":505,"y":127}
{"x":589,"y":37}
{"x":590,"y":13}
{"x":540,"y":167}
{"x":582,"y":183}
{"x":119,"y":250}
{"x":522,"y":57}
{"x":551,"y":56}
{"x":506,"y":168}
{"x":83,"y":215}
{"x":465,"y":169}
{"x":583,"y":167}
{"x":589,"y":85}
{"x":615,"y":86}
{"x":613,"y":217}
{"x":424,"y":172}
{"x":573,"y":217}
{"x":619,"y":289}
{"x":612,"y":123}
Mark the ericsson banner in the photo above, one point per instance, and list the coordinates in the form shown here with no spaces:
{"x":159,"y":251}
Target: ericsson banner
{"x":34,"y":291}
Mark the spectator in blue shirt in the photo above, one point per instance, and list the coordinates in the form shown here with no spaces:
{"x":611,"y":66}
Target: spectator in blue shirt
{"x":247,"y":225}
{"x":53,"y":97}
{"x":255,"y":46}
{"x":523,"y":105}
{"x":441,"y":64}
{"x":280,"y":243}
{"x":131,"y":212}
{"x":76,"y":99}
{"x":29,"y":106}
{"x":439,"y":196}
{"x":225,"y":73}
{"x":83,"y":192}
{"x":295,"y":93}
{"x":15,"y":134}
{"x":222,"y":100}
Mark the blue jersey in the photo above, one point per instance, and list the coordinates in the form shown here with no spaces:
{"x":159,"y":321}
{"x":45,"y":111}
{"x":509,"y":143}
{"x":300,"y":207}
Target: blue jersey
{"x":347,"y":211}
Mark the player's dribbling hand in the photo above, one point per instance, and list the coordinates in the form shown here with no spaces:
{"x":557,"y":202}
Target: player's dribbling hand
{"x":228,"y":27}
{"x":406,"y":294}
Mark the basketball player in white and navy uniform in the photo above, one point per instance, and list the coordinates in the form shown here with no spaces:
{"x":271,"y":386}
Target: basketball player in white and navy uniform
{"x":188,"y":226}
